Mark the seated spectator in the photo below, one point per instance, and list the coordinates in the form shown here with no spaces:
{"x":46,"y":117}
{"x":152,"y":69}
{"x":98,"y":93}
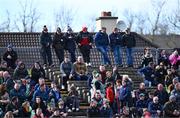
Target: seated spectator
{"x":25,"y":110}
{"x":160,"y":73}
{"x":16,"y":91}
{"x":155,"y":108}
{"x":54,"y":92}
{"x":38,"y":103}
{"x":106,"y":111}
{"x":169,"y":78}
{"x":164,"y":58}
{"x":171,"y":108}
{"x":62,"y":109}
{"x":20,"y":71}
{"x":36,"y":72}
{"x":39,"y":113}
{"x":80,"y":69}
{"x":176,"y":92}
{"x":147,"y":57}
{"x":141,"y":104}
{"x":110,"y":95}
{"x":41,"y":81}
{"x":13,"y":106}
{"x":43,"y":92}
{"x":3,"y":66}
{"x":142,"y":89}
{"x":66,"y":68}
{"x":8,"y":81}
{"x":9,"y":114}
{"x":99,"y":99}
{"x":162,"y":94}
{"x":174,"y":59}
{"x":72,"y":99}
{"x":150,"y":98}
{"x":50,"y":111}
{"x":172,"y":86}
{"x":148,"y":73}
{"x":93,"y":110}
{"x":10,"y":56}
{"x":4,"y":97}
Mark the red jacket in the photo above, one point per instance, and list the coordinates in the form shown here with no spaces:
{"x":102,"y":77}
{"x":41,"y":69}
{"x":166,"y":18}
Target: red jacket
{"x":110,"y":94}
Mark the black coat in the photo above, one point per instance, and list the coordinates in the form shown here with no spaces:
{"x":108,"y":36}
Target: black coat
{"x":58,"y":41}
{"x":93,"y":112}
{"x":13,"y":59}
{"x":70,"y":41}
{"x":36,"y":74}
{"x":45,"y":38}
{"x":129,"y":40}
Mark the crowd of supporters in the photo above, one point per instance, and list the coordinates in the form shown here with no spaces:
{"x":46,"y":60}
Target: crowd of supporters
{"x":24,"y":93}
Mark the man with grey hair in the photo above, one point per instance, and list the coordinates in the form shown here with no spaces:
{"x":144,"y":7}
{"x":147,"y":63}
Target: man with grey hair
{"x":171,"y":108}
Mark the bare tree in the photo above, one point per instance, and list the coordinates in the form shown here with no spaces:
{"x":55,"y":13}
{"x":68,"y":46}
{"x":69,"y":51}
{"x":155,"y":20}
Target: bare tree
{"x":130,"y":17}
{"x":27,"y":17}
{"x":5,"y":26}
{"x":157,"y":6}
{"x":64,"y":16}
{"x":174,"y":19}
{"x":92,"y":23}
{"x":140,"y":19}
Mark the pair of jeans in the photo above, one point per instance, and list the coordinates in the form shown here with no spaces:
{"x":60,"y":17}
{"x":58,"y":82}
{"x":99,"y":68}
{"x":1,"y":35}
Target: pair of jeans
{"x":80,"y":77}
{"x":104,"y":51}
{"x":129,"y":56}
{"x":117,"y":55}
{"x":46,"y":55}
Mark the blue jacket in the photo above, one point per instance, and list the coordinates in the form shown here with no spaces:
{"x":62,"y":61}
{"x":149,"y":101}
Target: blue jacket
{"x":43,"y":94}
{"x":125,"y":93}
{"x":152,"y":108}
{"x":106,"y":112}
{"x":148,"y":72}
{"x":115,"y":39}
{"x":101,"y":39}
{"x":18,"y":93}
{"x":141,"y":104}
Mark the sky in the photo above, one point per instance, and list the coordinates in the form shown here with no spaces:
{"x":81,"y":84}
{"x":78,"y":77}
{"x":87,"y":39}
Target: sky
{"x":83,"y":10}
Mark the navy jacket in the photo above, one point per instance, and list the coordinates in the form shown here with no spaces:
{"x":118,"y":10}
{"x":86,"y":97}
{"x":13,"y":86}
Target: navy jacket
{"x":43,"y":94}
{"x":115,"y":39}
{"x":101,"y":39}
{"x":152,"y":108}
{"x":129,"y":40}
{"x":70,"y":41}
{"x":148,"y":72}
{"x":141,"y":104}
{"x":125,"y":93}
{"x":162,"y":95}
{"x":45,"y":38}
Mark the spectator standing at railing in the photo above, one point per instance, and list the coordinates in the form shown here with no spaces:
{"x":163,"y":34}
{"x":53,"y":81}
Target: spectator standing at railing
{"x":45,"y":42}
{"x":102,"y":42}
{"x":70,"y":43}
{"x":58,"y":44}
{"x":147,"y":57}
{"x":84,"y":41}
{"x":116,"y":44}
{"x":129,"y":42}
{"x":10,"y":56}
{"x":164,"y":58}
